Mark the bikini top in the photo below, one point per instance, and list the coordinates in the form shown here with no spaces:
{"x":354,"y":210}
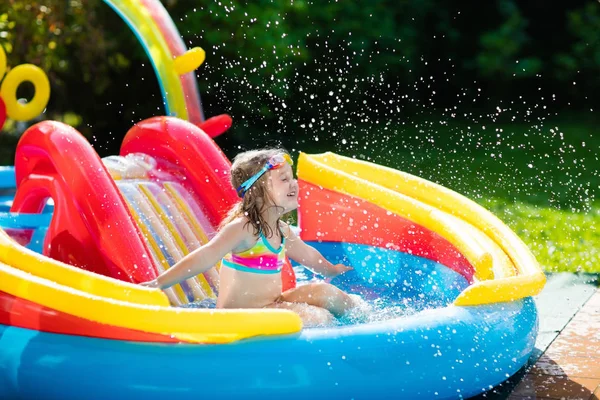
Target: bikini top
{"x":261,"y":258}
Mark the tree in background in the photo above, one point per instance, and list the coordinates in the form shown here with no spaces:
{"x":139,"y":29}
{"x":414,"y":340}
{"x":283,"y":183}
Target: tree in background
{"x":85,"y":48}
{"x":581,"y":60}
{"x":304,"y":67}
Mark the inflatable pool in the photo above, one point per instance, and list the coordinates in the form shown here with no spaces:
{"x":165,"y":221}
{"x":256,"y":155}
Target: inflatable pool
{"x":449,"y":284}
{"x":466,"y":279}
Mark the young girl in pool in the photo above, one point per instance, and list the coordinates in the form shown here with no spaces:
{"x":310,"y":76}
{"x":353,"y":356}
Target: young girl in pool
{"x":253,"y":242}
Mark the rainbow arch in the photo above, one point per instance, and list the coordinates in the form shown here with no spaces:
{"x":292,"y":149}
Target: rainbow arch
{"x":173,"y":63}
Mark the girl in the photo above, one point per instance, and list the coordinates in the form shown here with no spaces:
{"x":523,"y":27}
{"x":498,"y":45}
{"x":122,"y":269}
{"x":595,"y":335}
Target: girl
{"x":252,"y":243}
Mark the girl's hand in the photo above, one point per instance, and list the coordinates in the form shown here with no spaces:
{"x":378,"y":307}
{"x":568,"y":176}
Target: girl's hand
{"x":151,"y":284}
{"x":338,"y":269}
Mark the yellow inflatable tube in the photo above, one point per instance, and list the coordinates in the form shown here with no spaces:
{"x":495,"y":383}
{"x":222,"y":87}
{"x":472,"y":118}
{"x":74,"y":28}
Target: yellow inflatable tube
{"x":529,"y":279}
{"x":441,"y":198}
{"x":481,"y":252}
{"x":191,"y":325}
{"x":38,"y":265}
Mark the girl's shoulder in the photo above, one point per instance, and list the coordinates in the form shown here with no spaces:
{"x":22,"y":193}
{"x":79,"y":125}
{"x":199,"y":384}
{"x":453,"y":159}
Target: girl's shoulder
{"x":243,"y":226}
{"x":246,"y":230}
{"x":241,"y":223}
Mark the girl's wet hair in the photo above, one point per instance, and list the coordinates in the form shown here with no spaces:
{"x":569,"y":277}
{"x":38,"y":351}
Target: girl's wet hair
{"x":257,"y":199}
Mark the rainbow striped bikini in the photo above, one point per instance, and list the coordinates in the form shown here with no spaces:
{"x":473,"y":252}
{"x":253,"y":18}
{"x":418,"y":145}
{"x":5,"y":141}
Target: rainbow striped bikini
{"x":261,"y":258}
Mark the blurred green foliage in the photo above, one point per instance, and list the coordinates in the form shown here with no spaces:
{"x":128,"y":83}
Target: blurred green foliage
{"x":56,"y":35}
{"x":277,"y":64}
{"x":583,"y":56}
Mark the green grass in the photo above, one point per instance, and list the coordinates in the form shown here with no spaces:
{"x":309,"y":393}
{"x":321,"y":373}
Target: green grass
{"x":561,"y":240}
{"x":541,"y":179}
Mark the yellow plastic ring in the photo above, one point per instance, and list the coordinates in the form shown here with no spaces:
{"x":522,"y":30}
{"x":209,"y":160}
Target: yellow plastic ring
{"x":2,"y":62}
{"x":8,"y":91}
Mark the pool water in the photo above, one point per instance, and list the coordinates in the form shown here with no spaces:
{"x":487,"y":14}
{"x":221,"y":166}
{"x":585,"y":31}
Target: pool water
{"x":387,"y":284}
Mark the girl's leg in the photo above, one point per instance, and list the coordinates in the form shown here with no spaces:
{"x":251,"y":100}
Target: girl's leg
{"x":312,"y":316}
{"x":321,"y":295}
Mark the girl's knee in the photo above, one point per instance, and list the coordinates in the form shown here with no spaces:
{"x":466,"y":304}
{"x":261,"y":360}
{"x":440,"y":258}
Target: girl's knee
{"x":311,"y":316}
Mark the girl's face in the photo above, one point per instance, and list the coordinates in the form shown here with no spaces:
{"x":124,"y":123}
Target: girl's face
{"x":284,"y":188}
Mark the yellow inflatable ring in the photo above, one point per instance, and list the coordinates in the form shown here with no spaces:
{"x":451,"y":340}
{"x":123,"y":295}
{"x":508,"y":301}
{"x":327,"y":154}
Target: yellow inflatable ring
{"x":2,"y":62}
{"x":8,"y":91}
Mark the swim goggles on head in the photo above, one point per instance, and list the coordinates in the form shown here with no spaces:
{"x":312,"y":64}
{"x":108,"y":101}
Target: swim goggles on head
{"x":275,"y":162}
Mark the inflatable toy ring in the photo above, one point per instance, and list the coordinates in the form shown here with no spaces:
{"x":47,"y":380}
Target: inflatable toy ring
{"x":2,"y":62}
{"x":8,"y":91}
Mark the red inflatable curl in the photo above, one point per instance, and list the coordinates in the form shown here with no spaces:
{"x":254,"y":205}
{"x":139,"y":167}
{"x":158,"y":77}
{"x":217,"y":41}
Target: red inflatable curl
{"x":91,"y":227}
{"x":216,"y":125}
{"x":335,"y":217}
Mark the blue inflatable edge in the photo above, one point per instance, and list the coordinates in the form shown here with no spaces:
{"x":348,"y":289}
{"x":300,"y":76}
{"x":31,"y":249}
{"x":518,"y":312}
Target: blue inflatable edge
{"x":7,"y":177}
{"x":24,"y":221}
{"x":37,"y":222}
{"x":449,"y":353}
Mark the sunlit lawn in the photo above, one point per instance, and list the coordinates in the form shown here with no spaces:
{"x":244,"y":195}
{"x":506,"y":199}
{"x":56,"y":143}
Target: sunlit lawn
{"x":561,"y":240}
{"x":542,"y":181}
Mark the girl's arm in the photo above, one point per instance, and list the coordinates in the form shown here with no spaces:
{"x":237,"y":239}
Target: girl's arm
{"x":203,"y":258}
{"x":310,"y":257}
